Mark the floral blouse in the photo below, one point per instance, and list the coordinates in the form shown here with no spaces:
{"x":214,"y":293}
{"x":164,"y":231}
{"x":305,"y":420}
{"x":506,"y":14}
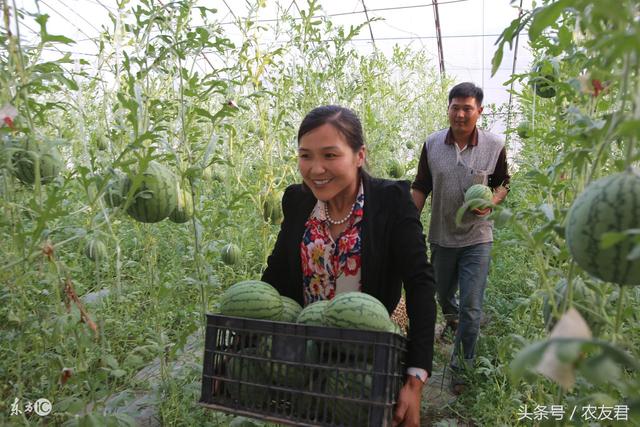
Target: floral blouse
{"x":330,"y":267}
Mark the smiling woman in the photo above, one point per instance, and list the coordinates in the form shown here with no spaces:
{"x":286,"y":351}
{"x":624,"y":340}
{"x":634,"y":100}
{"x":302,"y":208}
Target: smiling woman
{"x":345,"y":231}
{"x":330,"y":156}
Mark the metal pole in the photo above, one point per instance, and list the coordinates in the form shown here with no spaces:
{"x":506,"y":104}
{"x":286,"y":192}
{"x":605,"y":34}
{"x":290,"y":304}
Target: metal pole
{"x":366,"y":14}
{"x":436,"y":16}
{"x":513,"y":71}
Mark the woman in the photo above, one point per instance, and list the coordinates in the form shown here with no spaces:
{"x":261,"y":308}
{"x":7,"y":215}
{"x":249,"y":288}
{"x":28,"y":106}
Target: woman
{"x":344,"y":230}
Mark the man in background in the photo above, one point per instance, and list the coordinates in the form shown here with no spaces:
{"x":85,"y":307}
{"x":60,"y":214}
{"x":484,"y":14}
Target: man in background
{"x":451,"y":161}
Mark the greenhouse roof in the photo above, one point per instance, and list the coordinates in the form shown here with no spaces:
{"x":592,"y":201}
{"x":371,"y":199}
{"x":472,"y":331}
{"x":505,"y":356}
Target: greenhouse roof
{"x":468,"y":29}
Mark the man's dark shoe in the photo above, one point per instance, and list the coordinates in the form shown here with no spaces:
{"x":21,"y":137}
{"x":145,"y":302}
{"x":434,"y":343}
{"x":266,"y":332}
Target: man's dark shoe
{"x":458,"y":384}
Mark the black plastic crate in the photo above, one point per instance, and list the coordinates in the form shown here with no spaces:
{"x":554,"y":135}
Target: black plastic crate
{"x":301,"y":375}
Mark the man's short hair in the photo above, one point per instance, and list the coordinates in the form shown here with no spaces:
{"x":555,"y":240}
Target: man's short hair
{"x":466,"y":90}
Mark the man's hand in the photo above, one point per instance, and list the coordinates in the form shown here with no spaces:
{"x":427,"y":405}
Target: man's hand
{"x":499,"y":195}
{"x":481,"y":212}
{"x":407,"y":412}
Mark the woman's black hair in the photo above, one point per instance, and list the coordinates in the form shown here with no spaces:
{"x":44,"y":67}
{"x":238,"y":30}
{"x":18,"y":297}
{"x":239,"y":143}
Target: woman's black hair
{"x":341,"y":118}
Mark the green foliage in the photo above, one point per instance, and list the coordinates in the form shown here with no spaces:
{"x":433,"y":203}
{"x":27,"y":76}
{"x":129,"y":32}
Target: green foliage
{"x":574,"y":138}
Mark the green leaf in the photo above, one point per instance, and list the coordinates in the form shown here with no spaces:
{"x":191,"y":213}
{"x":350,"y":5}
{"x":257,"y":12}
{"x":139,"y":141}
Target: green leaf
{"x":538,"y":177}
{"x":501,"y":216}
{"x":133,"y":361}
{"x":45,"y":37}
{"x":568,"y":352}
{"x":634,"y":254}
{"x":547,"y":210}
{"x":117,"y":373}
{"x":611,"y":238}
{"x":616,"y":354}
{"x":110,"y":361}
{"x":507,"y":36}
{"x":471,"y":205}
{"x":204,"y":113}
{"x":629,"y":128}
{"x":57,"y":39}
{"x":600,"y":369}
{"x":564,"y":37}
{"x":544,"y":17}
{"x":527,"y":359}
{"x":497,"y":59}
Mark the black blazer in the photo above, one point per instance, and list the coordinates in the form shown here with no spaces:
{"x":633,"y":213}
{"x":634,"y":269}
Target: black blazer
{"x":393,"y":253}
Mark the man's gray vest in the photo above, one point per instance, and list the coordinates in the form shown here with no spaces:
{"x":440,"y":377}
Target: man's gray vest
{"x":452,"y":174}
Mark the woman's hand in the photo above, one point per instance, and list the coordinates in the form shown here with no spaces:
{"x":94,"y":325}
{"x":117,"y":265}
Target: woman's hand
{"x":407,"y":412}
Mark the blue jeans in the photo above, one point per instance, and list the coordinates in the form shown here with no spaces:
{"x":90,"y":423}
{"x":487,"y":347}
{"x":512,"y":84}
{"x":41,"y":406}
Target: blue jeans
{"x":465,"y":269}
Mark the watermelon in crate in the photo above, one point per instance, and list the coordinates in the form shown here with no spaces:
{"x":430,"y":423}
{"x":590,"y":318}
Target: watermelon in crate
{"x":351,"y":390}
{"x":312,"y":314}
{"x":252,"y":299}
{"x":244,"y":371}
{"x":290,"y":309}
{"x":357,"y":310}
{"x":370,"y":388}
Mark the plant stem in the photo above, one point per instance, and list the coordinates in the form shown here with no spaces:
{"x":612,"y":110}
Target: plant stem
{"x":569,"y":299}
{"x":619,"y":314}
{"x":636,"y":116}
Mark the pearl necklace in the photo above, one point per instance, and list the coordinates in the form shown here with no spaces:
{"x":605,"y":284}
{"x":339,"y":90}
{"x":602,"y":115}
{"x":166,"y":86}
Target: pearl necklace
{"x":343,"y":220}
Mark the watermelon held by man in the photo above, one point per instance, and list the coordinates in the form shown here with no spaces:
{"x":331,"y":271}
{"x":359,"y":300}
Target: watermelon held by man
{"x":479,"y":192}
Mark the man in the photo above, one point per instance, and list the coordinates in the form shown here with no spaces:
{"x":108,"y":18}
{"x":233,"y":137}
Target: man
{"x":451,"y":161}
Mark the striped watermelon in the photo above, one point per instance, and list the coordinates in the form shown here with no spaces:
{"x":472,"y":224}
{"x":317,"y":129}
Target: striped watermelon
{"x":101,"y":142}
{"x":479,"y":191}
{"x":272,"y":208}
{"x":396,"y":169}
{"x":291,"y":309}
{"x":156,"y":196}
{"x":115,"y":192}
{"x":288,"y":375}
{"x":543,"y":80}
{"x":356,"y":385}
{"x":26,"y":157}
{"x":184,"y":208}
{"x":608,"y":205}
{"x":524,"y":130}
{"x":245,"y":422}
{"x":230,"y":254}
{"x":356,"y":310}
{"x":309,"y":406}
{"x":312,"y":314}
{"x":96,"y":250}
{"x":242,"y":369}
{"x":253,"y":299}
{"x":396,"y":329}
